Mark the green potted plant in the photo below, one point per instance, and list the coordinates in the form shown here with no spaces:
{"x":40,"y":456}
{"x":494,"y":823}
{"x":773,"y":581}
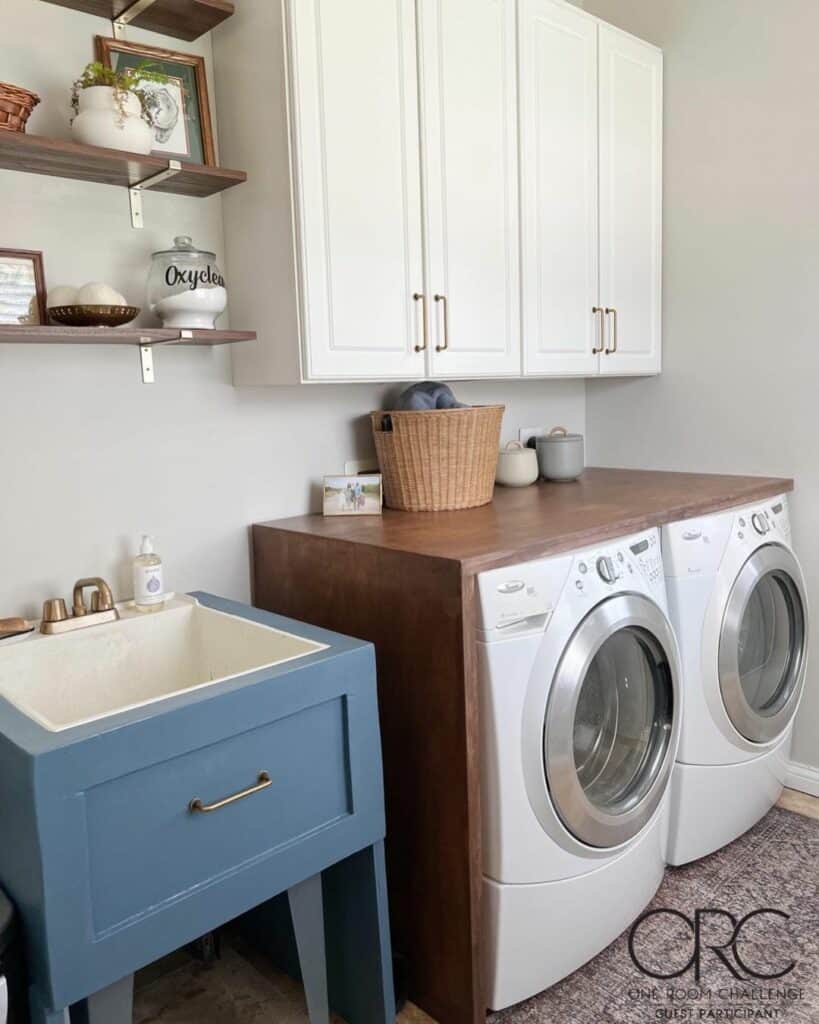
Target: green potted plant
{"x":116,"y":109}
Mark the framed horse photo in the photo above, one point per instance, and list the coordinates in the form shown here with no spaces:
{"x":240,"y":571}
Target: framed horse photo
{"x":352,"y":495}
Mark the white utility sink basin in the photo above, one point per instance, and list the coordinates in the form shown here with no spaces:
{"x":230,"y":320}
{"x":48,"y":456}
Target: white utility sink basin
{"x":82,"y":676}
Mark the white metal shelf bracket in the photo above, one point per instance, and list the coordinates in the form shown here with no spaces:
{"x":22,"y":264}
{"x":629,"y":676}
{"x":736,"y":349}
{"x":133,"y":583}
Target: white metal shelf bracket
{"x":146,"y":354}
{"x":146,"y":360}
{"x":121,"y":22}
{"x":135,"y":191}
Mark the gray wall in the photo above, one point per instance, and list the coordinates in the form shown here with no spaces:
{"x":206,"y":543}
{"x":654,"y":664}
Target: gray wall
{"x":89,"y":457}
{"x":738,"y":392}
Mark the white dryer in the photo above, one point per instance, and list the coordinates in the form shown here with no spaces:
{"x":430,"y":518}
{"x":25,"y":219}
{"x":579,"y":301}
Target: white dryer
{"x":738,"y":604}
{"x":580,"y":718}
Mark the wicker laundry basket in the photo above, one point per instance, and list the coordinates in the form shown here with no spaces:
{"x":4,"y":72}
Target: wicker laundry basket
{"x":438,"y":459}
{"x":16,"y":105}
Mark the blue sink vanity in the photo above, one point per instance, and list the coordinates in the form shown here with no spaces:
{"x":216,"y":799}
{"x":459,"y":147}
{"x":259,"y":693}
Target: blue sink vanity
{"x":164,"y":774}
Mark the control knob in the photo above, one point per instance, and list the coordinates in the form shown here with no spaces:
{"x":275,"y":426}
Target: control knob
{"x":760,"y":523}
{"x":606,"y":570}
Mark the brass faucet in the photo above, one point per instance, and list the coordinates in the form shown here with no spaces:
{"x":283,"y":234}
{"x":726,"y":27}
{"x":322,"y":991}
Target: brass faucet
{"x":57,"y":620}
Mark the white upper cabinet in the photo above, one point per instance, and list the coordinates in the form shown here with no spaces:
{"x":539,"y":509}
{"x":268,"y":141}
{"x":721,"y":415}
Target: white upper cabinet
{"x":468,"y":60}
{"x":559,"y":189}
{"x":631,"y":103}
{"x":440,"y":188}
{"x":355,"y":132}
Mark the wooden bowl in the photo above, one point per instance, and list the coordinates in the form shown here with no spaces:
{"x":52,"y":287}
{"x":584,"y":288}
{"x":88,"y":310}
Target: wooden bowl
{"x":93,"y":316}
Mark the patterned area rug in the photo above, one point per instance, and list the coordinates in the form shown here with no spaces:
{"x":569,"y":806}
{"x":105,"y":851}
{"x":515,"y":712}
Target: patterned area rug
{"x":772,"y":867}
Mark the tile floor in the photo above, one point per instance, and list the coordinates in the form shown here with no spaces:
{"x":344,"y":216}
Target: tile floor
{"x":244,"y":988}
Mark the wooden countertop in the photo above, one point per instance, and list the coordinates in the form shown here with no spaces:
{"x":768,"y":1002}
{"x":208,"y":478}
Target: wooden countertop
{"x":530,"y":522}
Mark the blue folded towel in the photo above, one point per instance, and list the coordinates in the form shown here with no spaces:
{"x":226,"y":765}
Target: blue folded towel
{"x":428,"y":395}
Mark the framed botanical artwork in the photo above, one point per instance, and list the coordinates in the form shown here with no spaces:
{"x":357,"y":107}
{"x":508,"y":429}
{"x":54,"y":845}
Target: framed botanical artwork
{"x":181,"y":110}
{"x":22,"y":288}
{"x":352,"y":495}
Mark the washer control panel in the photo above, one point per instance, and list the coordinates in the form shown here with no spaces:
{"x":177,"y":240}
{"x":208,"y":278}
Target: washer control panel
{"x":632,"y":564}
{"x":649,"y":557}
{"x":521,"y":599}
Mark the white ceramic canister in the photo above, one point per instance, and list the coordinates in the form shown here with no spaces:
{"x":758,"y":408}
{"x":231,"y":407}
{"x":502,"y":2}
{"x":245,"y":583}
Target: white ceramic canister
{"x":186,"y":288}
{"x":100,"y":121}
{"x":517,"y":466}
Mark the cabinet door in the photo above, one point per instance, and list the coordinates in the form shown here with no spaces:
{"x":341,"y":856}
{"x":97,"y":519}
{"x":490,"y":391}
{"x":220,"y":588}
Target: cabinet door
{"x":356,"y":164}
{"x":630,"y":202}
{"x":470,"y":141}
{"x":559,"y":182}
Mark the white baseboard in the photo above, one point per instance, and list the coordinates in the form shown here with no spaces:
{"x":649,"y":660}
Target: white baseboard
{"x":803,"y":778}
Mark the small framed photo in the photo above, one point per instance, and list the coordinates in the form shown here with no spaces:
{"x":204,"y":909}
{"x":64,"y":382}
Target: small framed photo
{"x":183,"y":129}
{"x":22,"y":288}
{"x":352,"y":495}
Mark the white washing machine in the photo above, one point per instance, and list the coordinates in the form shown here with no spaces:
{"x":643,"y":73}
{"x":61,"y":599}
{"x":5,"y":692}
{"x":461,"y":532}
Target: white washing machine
{"x":737,"y":601}
{"x":580,"y":720}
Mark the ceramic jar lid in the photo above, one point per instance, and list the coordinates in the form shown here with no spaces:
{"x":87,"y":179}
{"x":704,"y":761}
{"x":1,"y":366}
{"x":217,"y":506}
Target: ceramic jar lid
{"x":183,"y":246}
{"x":514,"y":448}
{"x":558,"y":434}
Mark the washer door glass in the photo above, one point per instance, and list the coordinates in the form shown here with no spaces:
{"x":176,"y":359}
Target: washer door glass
{"x":762,"y":645}
{"x":622,"y":722}
{"x":612,"y":721}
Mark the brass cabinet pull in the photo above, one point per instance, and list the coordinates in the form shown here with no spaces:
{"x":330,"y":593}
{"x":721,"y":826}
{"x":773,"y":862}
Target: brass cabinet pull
{"x":445,"y":346}
{"x":197,"y":807}
{"x":601,"y":329}
{"x":420,"y":297}
{"x":613,"y":349}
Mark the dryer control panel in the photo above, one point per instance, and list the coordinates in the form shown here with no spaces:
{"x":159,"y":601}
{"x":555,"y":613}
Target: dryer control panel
{"x":696,"y":547}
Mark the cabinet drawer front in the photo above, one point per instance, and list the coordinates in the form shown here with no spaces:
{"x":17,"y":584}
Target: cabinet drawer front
{"x":147,"y":848}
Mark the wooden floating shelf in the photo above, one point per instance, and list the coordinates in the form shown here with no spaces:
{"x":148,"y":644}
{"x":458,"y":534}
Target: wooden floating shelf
{"x":182,"y":19}
{"x":36,"y":154}
{"x":134,"y":336}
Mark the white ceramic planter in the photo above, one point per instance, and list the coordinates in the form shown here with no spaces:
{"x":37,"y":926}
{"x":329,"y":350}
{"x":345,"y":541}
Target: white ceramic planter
{"x":99,"y":123}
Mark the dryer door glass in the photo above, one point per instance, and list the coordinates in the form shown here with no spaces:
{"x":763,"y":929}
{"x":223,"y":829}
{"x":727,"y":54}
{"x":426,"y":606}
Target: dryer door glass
{"x":622,"y":722}
{"x":612,"y":721}
{"x":763,"y":644}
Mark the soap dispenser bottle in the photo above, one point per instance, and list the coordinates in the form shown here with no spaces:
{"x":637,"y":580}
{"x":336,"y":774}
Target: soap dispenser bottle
{"x":149,"y":587}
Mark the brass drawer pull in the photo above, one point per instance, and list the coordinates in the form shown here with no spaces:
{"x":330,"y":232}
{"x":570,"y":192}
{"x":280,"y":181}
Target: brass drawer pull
{"x":613,"y":349}
{"x":445,"y":346}
{"x":197,"y":807}
{"x":420,"y":297}
{"x":601,"y":330}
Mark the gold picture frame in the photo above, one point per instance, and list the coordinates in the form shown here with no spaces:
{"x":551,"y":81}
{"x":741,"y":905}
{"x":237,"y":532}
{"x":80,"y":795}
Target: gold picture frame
{"x":186,"y":133}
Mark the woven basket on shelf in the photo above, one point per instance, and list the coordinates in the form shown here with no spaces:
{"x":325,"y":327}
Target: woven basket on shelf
{"x":16,"y":105}
{"x":438,"y":459}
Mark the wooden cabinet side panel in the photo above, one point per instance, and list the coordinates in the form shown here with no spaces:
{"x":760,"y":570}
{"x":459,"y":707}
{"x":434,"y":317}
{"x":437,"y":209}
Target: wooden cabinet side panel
{"x":411,"y":608}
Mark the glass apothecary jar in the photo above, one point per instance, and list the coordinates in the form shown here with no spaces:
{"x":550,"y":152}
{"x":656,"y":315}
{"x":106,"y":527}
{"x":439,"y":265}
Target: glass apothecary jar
{"x":186,"y":289}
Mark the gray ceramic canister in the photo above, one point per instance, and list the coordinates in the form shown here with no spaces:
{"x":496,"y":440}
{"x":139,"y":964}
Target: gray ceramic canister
{"x":561,"y":455}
